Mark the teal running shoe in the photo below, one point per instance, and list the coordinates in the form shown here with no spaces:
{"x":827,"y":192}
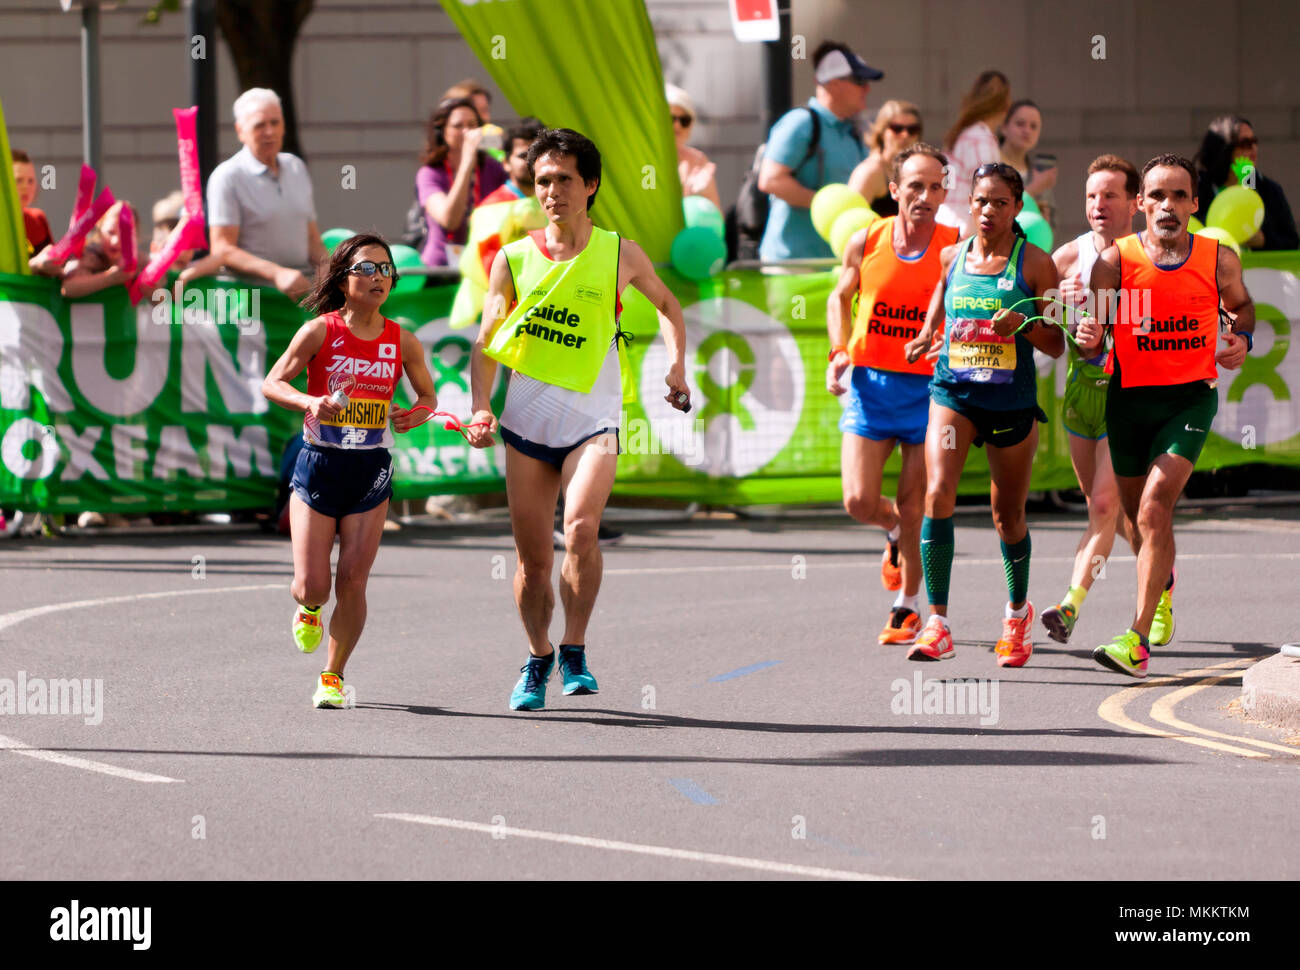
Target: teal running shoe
{"x":1125,"y":654}
{"x":573,"y":670}
{"x":530,"y":693}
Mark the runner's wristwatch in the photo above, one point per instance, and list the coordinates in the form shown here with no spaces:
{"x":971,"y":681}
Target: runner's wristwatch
{"x":835,"y":350}
{"x":1250,"y":342}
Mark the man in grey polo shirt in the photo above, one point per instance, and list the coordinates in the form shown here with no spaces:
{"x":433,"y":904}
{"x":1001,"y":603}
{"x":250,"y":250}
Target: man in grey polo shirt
{"x":260,"y":207}
{"x":793,"y":170}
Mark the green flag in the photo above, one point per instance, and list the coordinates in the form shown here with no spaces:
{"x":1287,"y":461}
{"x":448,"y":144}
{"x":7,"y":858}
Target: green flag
{"x":13,"y":237}
{"x":590,"y":65}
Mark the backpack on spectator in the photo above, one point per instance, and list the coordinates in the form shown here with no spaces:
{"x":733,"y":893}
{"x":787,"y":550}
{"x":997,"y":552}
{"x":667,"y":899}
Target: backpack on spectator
{"x":747,"y":219}
{"x":416,"y":233}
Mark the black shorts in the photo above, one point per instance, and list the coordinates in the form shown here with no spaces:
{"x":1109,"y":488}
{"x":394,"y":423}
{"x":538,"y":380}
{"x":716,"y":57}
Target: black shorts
{"x":1001,"y":429}
{"x":553,"y":456}
{"x":339,"y":482}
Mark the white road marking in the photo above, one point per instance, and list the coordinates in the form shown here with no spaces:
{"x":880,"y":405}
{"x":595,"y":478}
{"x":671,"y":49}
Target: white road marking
{"x":59,"y":758}
{"x":17,"y":616}
{"x":762,"y":865}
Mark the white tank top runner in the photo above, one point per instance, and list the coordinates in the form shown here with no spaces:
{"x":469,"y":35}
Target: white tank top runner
{"x":1087,"y":260}
{"x":1087,"y":257}
{"x":557,"y":418}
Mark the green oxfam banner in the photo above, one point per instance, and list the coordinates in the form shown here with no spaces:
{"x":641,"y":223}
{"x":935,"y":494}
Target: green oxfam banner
{"x":590,"y":65}
{"x":158,"y":407}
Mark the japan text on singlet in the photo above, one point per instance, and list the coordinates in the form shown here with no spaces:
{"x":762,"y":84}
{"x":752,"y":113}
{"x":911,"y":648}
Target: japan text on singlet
{"x":565,"y":315}
{"x":1176,"y":343}
{"x":367,"y":371}
{"x":893,"y":296}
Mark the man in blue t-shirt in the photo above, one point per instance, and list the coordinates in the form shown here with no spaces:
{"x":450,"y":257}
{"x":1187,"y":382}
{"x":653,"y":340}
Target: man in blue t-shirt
{"x":791,"y":176}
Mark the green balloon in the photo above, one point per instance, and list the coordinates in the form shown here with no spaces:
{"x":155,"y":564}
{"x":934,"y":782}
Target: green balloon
{"x":698,"y":253}
{"x":406,"y":258}
{"x":1194,"y":224}
{"x":1037,"y":230}
{"x":699,"y":211}
{"x":830,"y":202}
{"x":332,"y":237}
{"x":1031,"y":205}
{"x":1237,"y":209}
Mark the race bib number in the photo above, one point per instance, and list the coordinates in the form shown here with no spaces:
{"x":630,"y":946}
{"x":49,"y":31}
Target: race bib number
{"x":361,"y":413}
{"x":362,"y":424}
{"x":978,"y":355}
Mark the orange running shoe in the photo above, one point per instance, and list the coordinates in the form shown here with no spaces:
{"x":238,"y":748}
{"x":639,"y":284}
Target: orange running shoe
{"x":934,"y":643}
{"x":891,"y":573}
{"x":1017,"y":643}
{"x":903,"y":626}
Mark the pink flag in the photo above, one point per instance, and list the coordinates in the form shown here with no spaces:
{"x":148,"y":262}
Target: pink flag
{"x":74,"y":241}
{"x":188,"y":234}
{"x":187,"y":146}
{"x":126,"y":227}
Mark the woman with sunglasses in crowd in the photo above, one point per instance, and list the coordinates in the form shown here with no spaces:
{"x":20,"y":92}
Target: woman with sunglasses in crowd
{"x":1229,"y":138}
{"x":455,"y":175}
{"x":897,"y":126}
{"x":354,"y":357}
{"x":985,"y":391}
{"x":696,"y":172}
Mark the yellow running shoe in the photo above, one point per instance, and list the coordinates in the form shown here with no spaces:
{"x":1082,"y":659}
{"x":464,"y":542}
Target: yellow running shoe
{"x":329,"y":693}
{"x":307,"y":628}
{"x":1162,"y":624}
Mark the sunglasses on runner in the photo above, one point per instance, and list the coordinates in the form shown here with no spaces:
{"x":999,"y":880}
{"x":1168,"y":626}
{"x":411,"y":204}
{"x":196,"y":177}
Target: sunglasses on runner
{"x":996,"y":168}
{"x":683,"y":120}
{"x":1250,"y":142}
{"x":368,"y":267}
{"x":898,"y":129}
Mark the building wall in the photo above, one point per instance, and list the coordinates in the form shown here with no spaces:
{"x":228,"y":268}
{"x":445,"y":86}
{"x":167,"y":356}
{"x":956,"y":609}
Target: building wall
{"x":367,"y":74}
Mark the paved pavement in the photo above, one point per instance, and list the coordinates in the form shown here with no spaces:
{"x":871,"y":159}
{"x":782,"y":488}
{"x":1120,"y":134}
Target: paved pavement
{"x":748,"y":725}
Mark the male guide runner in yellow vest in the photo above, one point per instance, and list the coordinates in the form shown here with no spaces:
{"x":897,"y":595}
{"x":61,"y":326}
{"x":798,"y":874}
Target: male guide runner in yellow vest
{"x":550,"y":314}
{"x":560,"y":332}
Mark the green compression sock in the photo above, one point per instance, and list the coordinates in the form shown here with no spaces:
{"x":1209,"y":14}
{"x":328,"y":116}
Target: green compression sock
{"x":1015,"y":562}
{"x":937,"y":547}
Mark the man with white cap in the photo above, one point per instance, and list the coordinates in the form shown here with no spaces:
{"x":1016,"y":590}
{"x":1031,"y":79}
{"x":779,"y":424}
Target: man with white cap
{"x":812,"y":146}
{"x":693,"y":166}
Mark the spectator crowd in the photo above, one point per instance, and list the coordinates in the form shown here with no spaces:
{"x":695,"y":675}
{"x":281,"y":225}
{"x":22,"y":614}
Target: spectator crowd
{"x":263,"y":226}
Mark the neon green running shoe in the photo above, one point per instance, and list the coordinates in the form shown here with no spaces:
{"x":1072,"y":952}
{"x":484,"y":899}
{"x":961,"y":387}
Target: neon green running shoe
{"x":1162,"y":624}
{"x":329,"y":692}
{"x":307,"y":628}
{"x":1060,"y":620}
{"x":1125,"y":654}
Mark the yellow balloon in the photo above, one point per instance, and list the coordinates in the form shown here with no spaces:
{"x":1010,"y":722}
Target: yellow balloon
{"x":846,"y":224}
{"x":1221,"y":234}
{"x":1194,"y":224}
{"x":1237,"y":209}
{"x":829,"y":203}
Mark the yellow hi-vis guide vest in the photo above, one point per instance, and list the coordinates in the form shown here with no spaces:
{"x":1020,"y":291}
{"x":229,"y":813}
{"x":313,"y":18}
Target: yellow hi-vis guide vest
{"x":565,"y":316}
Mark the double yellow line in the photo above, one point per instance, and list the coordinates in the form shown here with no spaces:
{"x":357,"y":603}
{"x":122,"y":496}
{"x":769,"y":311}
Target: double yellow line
{"x":1162,"y":710}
